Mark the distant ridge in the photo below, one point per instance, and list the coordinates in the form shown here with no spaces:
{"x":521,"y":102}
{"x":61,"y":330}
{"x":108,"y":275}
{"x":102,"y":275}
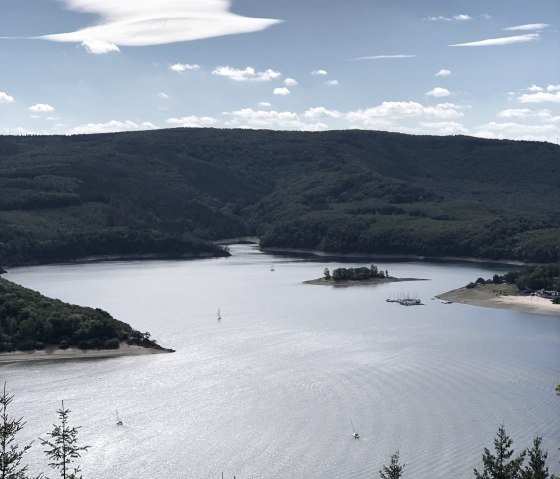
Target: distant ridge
{"x":171,"y":192}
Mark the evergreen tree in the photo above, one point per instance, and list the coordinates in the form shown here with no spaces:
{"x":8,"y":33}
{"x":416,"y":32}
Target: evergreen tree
{"x":500,"y":466}
{"x":394,"y":471}
{"x":11,"y":454}
{"x":537,"y":462}
{"x":62,"y":447}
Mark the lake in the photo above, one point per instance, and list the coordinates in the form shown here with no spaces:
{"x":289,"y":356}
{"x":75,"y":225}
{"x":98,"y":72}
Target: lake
{"x":270,"y":390}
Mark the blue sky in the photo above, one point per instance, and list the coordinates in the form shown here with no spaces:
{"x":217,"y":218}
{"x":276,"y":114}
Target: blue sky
{"x":482,"y":68}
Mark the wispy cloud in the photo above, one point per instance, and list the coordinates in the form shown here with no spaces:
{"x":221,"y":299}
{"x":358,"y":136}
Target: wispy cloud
{"x":290,"y":82}
{"x":461,"y":17}
{"x":321,"y":112}
{"x":525,"y":113}
{"x":383,"y":57}
{"x":264,"y":104}
{"x":529,"y":37}
{"x":249,"y":118}
{"x":332,"y":82}
{"x":5,"y":98}
{"x":438,"y":92}
{"x":99,"y":47}
{"x":443,"y":73}
{"x":193,"y":121}
{"x":163,"y":95}
{"x":247,"y":74}
{"x":319,"y":72}
{"x":41,"y":108}
{"x":144,"y":22}
{"x":528,"y":27}
{"x":111,"y":126}
{"x":540,"y":97}
{"x":281,"y":91}
{"x":181,"y":67}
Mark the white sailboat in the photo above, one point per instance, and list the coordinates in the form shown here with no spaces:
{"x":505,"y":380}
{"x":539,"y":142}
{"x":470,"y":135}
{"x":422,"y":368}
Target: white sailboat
{"x":119,"y":420}
{"x":218,"y":314}
{"x":272,"y":268}
{"x":356,"y":435}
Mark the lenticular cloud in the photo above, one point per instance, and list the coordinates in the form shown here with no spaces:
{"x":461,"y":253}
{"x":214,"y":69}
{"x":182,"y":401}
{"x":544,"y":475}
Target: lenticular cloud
{"x":156,"y":22}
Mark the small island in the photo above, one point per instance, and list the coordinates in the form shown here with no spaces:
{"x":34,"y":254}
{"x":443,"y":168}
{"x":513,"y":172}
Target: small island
{"x":356,"y":276}
{"x":33,"y":327}
{"x":534,"y":290}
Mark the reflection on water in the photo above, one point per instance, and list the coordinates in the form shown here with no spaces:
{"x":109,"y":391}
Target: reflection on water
{"x":269,"y":390}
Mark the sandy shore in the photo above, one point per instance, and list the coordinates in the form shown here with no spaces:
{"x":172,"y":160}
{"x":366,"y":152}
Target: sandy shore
{"x":332,"y":282}
{"x":74,"y":353}
{"x":501,"y":297}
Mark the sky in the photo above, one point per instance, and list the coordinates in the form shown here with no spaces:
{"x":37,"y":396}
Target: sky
{"x":444,"y":67}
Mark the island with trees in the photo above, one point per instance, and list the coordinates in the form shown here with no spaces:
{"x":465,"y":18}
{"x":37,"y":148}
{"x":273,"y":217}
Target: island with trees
{"x":50,"y":329}
{"x":353,"y":276}
{"x":531,"y":289}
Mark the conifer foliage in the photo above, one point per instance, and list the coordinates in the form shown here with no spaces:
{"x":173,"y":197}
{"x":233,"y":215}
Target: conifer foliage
{"x":11,"y":454}
{"x":501,"y":465}
{"x":62,"y":447}
{"x":536,"y":469}
{"x":395,"y":470}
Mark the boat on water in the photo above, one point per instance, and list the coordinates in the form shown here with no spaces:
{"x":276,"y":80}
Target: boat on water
{"x":355,"y":435}
{"x":272,"y":268}
{"x":218,"y":314}
{"x":119,"y":420}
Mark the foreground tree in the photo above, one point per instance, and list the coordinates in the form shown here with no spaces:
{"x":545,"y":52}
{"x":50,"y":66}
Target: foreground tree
{"x":501,"y":466}
{"x":62,"y":447}
{"x":11,"y":454}
{"x":395,"y":470}
{"x":536,"y":469}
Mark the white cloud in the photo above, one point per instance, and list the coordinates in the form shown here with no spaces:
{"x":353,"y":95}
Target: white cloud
{"x":529,"y":26}
{"x":264,"y":103}
{"x":553,"y":87}
{"x":181,"y":67}
{"x":438,"y":92}
{"x":515,"y":129}
{"x":247,"y":74}
{"x":332,"y":82}
{"x":319,"y":72}
{"x":443,"y":73}
{"x":283,"y":91}
{"x":461,"y":17}
{"x":192,"y":121}
{"x":163,"y":95}
{"x":5,"y":98}
{"x":41,"y":108}
{"x":249,"y":118}
{"x":321,"y":112}
{"x":444,"y":127}
{"x":290,"y":82}
{"x":53,"y":118}
{"x":534,"y":88}
{"x":111,"y":126}
{"x":145,"y":22}
{"x":524,"y":113}
{"x":99,"y":47}
{"x":383,"y":57}
{"x":540,"y":97}
{"x":529,"y":37}
{"x":386,"y":114}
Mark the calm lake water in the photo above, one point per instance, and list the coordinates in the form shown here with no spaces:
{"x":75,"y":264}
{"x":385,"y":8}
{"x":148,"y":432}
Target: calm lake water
{"x":269,"y":390}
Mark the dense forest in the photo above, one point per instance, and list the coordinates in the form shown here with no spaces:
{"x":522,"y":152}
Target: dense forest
{"x":29,"y":320}
{"x":175,"y":192}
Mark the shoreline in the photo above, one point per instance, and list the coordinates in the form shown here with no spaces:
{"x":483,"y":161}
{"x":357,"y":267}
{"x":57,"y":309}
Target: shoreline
{"x":394,"y":257}
{"x":499,"y":296}
{"x":349,"y":282}
{"x":50,"y":354}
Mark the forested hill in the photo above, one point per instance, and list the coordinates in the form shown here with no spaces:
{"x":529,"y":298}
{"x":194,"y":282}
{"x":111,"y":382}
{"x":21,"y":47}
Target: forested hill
{"x":173,"y":191}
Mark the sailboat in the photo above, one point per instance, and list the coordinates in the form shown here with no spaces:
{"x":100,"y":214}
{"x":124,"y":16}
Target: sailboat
{"x":272,"y":268}
{"x":218,"y":314}
{"x":356,"y":435}
{"x":119,"y":420}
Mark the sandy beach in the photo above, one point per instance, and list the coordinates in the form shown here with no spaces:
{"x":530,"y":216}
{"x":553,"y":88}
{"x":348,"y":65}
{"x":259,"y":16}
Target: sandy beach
{"x":501,"y":296}
{"x":49,"y":354}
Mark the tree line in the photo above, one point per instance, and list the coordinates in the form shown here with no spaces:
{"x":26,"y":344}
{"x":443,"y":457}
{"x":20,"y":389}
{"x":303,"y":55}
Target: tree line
{"x":355,"y":274}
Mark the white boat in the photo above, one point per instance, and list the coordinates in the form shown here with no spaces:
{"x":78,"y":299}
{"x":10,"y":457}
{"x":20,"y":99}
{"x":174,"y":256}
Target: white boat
{"x":272,"y":268}
{"x":355,"y":435}
{"x":119,"y":420}
{"x":218,"y":314}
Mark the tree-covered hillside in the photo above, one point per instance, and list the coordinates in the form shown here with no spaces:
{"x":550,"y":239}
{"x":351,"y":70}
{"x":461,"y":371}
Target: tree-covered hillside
{"x":29,"y":320}
{"x":173,"y":191}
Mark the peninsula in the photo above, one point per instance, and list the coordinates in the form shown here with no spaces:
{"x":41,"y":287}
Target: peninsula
{"x":33,"y":326}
